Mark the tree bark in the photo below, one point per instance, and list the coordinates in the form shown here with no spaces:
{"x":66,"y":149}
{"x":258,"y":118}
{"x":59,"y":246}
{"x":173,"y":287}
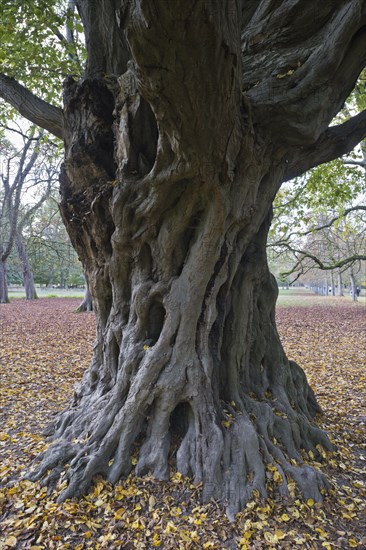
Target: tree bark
{"x":169,"y":176}
{"x":332,"y":282}
{"x":87,"y":303}
{"x":188,"y":360}
{"x":4,"y":297}
{"x":353,"y":286}
{"x":28,"y":279}
{"x":340,"y":284}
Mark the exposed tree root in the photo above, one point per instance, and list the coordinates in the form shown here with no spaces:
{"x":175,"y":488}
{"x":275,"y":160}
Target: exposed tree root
{"x":188,"y":367}
{"x":228,"y":449}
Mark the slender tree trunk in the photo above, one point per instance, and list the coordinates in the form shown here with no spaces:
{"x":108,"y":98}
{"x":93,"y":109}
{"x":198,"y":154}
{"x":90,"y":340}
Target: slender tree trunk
{"x":332,"y":282}
{"x":188,"y":361}
{"x":4,"y":297}
{"x":340,"y":284}
{"x":28,"y":279}
{"x":50,"y":277}
{"x":353,"y":287}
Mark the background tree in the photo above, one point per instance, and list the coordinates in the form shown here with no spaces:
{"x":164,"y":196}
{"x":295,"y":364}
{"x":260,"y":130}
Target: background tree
{"x":54,"y":261}
{"x":319,"y":223}
{"x":13,"y":184}
{"x":177,"y":139}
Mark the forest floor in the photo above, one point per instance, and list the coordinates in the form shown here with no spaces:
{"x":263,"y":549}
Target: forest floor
{"x":44,"y":348}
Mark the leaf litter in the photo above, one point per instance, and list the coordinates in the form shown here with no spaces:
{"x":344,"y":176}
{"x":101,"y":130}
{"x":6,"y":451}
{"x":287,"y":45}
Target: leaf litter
{"x":45,"y":347}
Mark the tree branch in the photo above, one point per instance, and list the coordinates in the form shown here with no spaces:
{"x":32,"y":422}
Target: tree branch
{"x":304,"y":254}
{"x":33,"y":108}
{"x":343,"y":214}
{"x":333,"y":143}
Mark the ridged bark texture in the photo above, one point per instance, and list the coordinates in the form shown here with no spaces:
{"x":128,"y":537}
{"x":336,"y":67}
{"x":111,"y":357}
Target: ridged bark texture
{"x":188,"y":361}
{"x":169,"y":176}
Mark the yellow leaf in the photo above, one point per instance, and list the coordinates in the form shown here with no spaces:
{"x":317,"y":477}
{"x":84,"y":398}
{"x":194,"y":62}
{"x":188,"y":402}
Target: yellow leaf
{"x":277,"y":476}
{"x":11,"y":542}
{"x":321,"y":532}
{"x":280,"y":534}
{"x":353,"y":543}
{"x":285,"y":517}
{"x":291,"y":488}
{"x":226,"y":423}
{"x":310,"y":502}
{"x":170,"y":528}
{"x":87,"y":535}
{"x":194,"y":536}
{"x":270,"y":538}
{"x":285,"y":74}
{"x":4,"y":436}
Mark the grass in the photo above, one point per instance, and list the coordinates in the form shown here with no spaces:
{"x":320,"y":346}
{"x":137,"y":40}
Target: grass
{"x":18,"y":292}
{"x":293,"y":297}
{"x":304,"y":297}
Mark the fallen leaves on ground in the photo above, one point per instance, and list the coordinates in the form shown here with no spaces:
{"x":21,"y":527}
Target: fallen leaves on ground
{"x":44,"y":349}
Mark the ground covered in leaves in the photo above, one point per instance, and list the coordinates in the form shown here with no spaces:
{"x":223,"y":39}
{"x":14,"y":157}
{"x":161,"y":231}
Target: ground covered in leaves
{"x":44,"y":348}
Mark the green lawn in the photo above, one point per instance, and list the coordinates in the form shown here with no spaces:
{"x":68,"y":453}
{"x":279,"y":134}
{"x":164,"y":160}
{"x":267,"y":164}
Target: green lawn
{"x":293,"y":297}
{"x":18,"y":292}
{"x":303,"y":297}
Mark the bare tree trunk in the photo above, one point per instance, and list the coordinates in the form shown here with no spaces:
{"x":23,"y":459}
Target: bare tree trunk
{"x":340,"y":284}
{"x":50,"y":277}
{"x":353,"y":286}
{"x":4,"y":297}
{"x":28,"y":279}
{"x":332,"y":282}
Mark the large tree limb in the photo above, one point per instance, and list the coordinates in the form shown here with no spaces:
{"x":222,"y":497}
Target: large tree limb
{"x":333,"y":143}
{"x":296,"y":85}
{"x":33,"y":108}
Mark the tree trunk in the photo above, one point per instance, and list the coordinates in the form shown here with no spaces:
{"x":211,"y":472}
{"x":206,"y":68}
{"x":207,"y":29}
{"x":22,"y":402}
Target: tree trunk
{"x":28,"y":279}
{"x":332,"y":282}
{"x":353,"y":287}
{"x":50,"y":277}
{"x":340,"y":284}
{"x":87,"y":303}
{"x":4,"y":297}
{"x":188,"y":363}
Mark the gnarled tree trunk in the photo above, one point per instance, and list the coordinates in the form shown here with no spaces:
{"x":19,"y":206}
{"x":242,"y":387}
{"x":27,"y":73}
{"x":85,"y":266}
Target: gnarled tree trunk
{"x":169,"y":176}
{"x":188,"y":358}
